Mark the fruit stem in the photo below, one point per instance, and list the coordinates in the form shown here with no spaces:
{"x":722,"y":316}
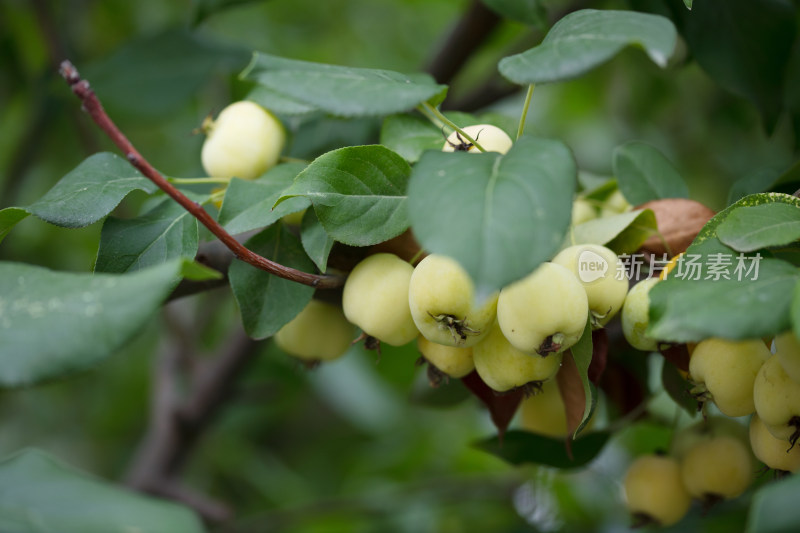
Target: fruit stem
{"x":431,"y":110}
{"x":198,"y":181}
{"x":525,"y":106}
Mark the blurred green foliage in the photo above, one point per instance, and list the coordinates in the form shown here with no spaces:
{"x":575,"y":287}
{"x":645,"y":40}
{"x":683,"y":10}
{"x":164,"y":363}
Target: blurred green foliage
{"x":340,"y":448}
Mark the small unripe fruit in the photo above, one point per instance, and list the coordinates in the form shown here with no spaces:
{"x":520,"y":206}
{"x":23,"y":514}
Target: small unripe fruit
{"x":491,"y":138}
{"x":582,"y":211}
{"x":245,"y":141}
{"x":502,"y":367}
{"x":442,"y":301}
{"x":727,"y":371}
{"x":705,"y":429}
{"x":717,"y":468}
{"x":614,"y":204}
{"x":654,"y":491}
{"x":449,"y":360}
{"x":597,"y":268}
{"x":375,"y":299}
{"x":777,"y":400}
{"x":544,"y":412}
{"x":635,"y":316}
{"x":320,"y":332}
{"x":775,"y":453}
{"x":545,"y":312}
{"x":787,"y":348}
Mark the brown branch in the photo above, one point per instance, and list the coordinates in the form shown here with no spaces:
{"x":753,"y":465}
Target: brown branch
{"x":471,"y":31}
{"x":92,"y":105}
{"x":177,"y":420}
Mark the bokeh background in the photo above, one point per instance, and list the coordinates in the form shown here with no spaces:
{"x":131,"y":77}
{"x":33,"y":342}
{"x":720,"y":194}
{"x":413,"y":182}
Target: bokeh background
{"x":353,"y":445}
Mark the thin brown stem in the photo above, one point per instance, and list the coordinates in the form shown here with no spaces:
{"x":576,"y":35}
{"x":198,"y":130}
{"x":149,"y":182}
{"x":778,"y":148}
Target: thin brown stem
{"x":92,"y":105}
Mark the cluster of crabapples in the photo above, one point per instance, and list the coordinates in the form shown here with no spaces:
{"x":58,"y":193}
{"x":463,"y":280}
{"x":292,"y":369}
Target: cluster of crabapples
{"x":716,"y":459}
{"x":515,"y":337}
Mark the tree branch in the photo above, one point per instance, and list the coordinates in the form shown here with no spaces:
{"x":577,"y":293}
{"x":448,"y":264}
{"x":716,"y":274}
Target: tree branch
{"x":95,"y":109}
{"x":178,"y":419}
{"x":468,"y":35}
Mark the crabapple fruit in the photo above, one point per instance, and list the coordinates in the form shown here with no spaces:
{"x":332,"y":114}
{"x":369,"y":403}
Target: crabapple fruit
{"x":596,"y":267}
{"x":654,"y":490}
{"x":503,"y":367}
{"x":491,"y":138}
{"x":375,"y":298}
{"x":449,"y":360}
{"x":441,"y":297}
{"x":245,"y":141}
{"x":724,"y":371}
{"x":635,"y":316}
{"x":320,"y":332}
{"x":777,"y":400}
{"x":773,"y":452}
{"x":717,"y":468}
{"x":545,"y":312}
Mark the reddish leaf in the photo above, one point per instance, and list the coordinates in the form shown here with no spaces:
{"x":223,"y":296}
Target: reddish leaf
{"x":571,"y":388}
{"x":622,"y":387}
{"x":599,"y":355}
{"x":679,"y":221}
{"x":502,"y":406}
{"x":678,"y":355}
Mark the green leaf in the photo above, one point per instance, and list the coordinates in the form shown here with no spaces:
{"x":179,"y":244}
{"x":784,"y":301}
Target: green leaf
{"x":688,"y":4}
{"x":530,"y":12}
{"x":195,"y":271}
{"x":623,"y":233}
{"x":342,"y":91}
{"x":751,"y":228}
{"x":688,"y":310}
{"x":721,"y":35}
{"x":358,"y":193}
{"x":159,"y":73}
{"x":521,"y":447}
{"x":90,"y":191}
{"x":794,"y":311}
{"x":761,"y":180}
{"x":644,"y":174}
{"x":316,"y":241}
{"x":499,"y":216}
{"x":39,"y":493}
{"x":9,"y":217}
{"x":267,"y":302}
{"x":166,"y":232}
{"x":586,"y":39}
{"x":86,"y":317}
{"x":278,"y":103}
{"x":582,"y":355}
{"x":774,"y":507}
{"x":411,"y":135}
{"x":248,"y":204}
